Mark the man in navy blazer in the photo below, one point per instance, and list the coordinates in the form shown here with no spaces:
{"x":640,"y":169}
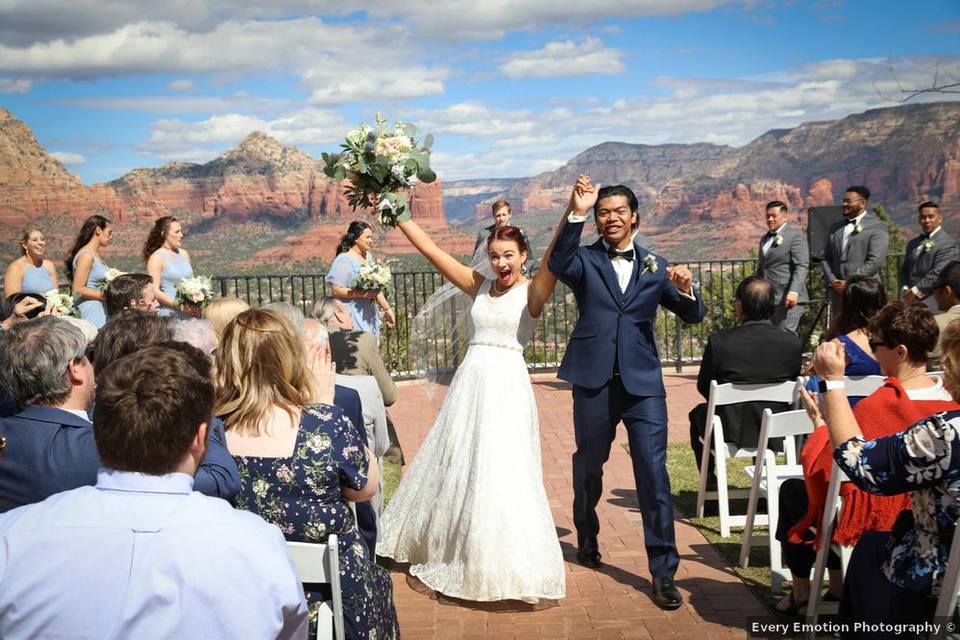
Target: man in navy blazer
{"x":613,"y":364}
{"x":50,"y":442}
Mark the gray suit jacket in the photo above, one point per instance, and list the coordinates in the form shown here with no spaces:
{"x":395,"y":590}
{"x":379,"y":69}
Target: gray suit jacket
{"x":921,"y":266}
{"x":786,"y":263}
{"x":865,"y":253}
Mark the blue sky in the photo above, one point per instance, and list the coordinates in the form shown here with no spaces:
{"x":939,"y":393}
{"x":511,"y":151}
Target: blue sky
{"x":508,"y":89}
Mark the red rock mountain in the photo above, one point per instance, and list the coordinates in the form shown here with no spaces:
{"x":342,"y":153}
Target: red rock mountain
{"x":704,"y":200}
{"x":259,"y":176}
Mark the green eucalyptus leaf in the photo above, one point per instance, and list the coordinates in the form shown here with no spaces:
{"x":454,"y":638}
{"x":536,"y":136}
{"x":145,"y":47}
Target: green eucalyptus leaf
{"x":339,"y":173}
{"x":426,"y":174}
{"x":428,"y":141}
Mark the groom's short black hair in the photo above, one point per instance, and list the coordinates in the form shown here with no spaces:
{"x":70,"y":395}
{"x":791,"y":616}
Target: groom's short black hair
{"x":756,"y":298}
{"x":618,"y":190}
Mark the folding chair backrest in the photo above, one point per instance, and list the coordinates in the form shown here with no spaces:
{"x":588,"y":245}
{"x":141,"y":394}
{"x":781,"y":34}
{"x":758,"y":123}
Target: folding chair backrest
{"x":732,"y":393}
{"x":319,"y":563}
{"x":862,"y":386}
{"x":786,"y":425}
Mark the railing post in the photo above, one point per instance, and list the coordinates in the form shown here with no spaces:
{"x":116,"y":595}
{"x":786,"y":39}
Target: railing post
{"x":679,"y":344}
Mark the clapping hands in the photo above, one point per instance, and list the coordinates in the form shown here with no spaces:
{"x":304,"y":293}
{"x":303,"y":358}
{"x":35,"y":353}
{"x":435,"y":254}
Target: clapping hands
{"x":681,"y":278}
{"x":322,"y":371}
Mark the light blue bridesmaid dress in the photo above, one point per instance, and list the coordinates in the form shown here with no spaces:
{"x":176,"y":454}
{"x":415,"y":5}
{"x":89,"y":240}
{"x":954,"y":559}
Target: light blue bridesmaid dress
{"x":363,"y":311}
{"x":93,"y":310}
{"x":36,"y":280}
{"x":176,"y":267}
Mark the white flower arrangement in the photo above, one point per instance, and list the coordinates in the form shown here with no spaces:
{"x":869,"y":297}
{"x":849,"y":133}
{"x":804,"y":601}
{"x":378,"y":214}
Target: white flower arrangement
{"x":927,"y":246}
{"x":778,"y":240}
{"x":649,"y":264}
{"x":196,"y":291}
{"x":379,"y":162}
{"x":373,"y":276}
{"x":111,"y":275}
{"x":857,"y":228}
{"x":62,"y":302}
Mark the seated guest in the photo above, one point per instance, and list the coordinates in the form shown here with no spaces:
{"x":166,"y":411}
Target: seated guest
{"x":221,"y":311}
{"x":50,"y":446}
{"x":355,"y":353}
{"x":946,"y":292}
{"x":131,"y":291}
{"x":22,"y":306}
{"x":895,"y":577}
{"x":754,"y":352}
{"x":292,"y":314}
{"x":301,"y":460}
{"x":902,"y":336}
{"x":196,"y":332}
{"x":141,"y":554}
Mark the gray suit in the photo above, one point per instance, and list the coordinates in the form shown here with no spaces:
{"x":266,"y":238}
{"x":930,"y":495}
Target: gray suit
{"x":865,"y":253}
{"x":922,"y":265}
{"x":785,"y":266}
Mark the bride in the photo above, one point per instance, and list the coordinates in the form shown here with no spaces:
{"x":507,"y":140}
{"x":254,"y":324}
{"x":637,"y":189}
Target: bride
{"x":471,"y":515}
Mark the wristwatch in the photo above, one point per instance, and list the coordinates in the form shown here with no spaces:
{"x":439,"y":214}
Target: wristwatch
{"x":828,"y":385}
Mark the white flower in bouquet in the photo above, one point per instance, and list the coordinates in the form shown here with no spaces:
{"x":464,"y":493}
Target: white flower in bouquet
{"x":110,"y":276}
{"x":373,"y":276}
{"x":62,"y":302}
{"x":196,"y":291}
{"x":380,"y":162}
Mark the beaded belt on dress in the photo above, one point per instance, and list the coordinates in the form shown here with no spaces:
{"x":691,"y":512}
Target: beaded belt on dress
{"x":499,"y":345}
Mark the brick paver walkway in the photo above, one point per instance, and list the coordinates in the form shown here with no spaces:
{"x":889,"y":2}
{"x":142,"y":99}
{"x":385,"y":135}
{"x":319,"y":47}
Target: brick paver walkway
{"x":615,"y":602}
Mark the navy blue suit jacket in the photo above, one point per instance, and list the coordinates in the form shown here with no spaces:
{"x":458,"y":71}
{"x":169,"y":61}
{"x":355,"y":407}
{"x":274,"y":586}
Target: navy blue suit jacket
{"x":51,"y":450}
{"x":614,"y":328}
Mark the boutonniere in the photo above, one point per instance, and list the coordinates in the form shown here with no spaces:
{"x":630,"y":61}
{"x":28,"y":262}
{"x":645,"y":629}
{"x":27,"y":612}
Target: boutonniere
{"x":778,"y":240}
{"x":927,"y":246}
{"x":649,"y":264}
{"x":857,"y":228}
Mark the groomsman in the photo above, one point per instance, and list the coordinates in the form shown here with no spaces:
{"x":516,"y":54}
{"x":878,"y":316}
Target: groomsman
{"x":856,"y":245}
{"x":784,"y":259}
{"x":926,"y":255}
{"x":502,"y":212}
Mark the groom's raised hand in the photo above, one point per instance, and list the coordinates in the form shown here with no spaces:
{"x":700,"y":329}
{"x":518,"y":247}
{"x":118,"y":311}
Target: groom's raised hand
{"x":584,"y":196}
{"x":681,"y":278}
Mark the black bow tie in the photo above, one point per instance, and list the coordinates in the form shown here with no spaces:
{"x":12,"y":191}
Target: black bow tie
{"x":770,"y":234}
{"x":851,"y":220}
{"x":626,"y":255}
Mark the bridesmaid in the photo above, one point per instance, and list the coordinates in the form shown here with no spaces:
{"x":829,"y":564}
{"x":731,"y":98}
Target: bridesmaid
{"x":30,"y":273}
{"x":168,"y":263}
{"x":353,"y":252}
{"x":86,"y":270}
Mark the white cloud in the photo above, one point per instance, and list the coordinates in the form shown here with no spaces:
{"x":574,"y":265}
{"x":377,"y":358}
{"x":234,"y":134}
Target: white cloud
{"x":564,"y":59}
{"x":68,"y":158}
{"x":181,"y":85}
{"x":182,"y":104}
{"x":14,"y":86}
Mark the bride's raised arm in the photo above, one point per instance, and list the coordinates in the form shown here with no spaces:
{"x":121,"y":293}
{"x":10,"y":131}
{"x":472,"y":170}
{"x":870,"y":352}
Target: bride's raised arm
{"x":460,"y":275}
{"x":543,"y":282}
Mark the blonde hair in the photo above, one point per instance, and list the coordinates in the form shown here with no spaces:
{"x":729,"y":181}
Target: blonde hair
{"x":221,"y":311}
{"x":25,"y":236}
{"x":950,"y":358}
{"x":261,"y":363}
{"x":499,"y":204}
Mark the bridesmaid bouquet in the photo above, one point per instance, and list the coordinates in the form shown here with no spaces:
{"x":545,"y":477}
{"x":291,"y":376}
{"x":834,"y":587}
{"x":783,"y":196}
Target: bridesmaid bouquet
{"x":111,"y":275}
{"x":62,"y":302}
{"x":196,"y":291}
{"x":379,"y":163}
{"x":373,"y":277}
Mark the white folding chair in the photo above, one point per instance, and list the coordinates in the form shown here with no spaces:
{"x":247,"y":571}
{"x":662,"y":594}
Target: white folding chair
{"x":720,"y":395}
{"x":320,"y":564}
{"x":949,"y":589}
{"x":862,"y":386}
{"x":831,"y":512}
{"x":767,"y":477}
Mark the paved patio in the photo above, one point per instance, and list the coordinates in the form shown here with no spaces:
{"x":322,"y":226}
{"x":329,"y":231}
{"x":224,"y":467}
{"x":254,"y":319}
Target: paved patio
{"x":615,"y":602}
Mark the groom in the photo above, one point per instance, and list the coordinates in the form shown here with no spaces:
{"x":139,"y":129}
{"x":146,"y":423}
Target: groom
{"x":612,"y":362}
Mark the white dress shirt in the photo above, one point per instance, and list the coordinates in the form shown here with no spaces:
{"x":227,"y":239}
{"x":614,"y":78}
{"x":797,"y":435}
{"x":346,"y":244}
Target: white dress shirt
{"x":140,"y":556}
{"x":848,"y":229}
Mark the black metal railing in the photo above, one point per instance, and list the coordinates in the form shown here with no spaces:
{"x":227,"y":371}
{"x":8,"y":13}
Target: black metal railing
{"x":677,"y":343}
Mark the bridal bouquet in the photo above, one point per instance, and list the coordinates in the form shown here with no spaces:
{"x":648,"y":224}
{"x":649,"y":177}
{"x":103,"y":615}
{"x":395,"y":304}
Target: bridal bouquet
{"x":196,"y":291}
{"x":62,"y":302}
{"x":373,"y":277}
{"x":110,"y":277}
{"x":380,"y":162}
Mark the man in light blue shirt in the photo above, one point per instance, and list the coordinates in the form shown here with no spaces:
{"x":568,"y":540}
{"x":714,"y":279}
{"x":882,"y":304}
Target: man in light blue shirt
{"x":140,"y":554}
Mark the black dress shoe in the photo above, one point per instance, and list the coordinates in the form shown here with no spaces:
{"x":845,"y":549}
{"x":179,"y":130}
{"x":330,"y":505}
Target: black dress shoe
{"x":665,"y":593}
{"x":588,"y":555}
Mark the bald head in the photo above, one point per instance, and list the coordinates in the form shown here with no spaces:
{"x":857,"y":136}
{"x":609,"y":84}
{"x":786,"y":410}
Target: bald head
{"x":755,"y":299}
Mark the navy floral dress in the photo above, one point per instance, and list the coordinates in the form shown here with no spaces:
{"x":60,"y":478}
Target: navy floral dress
{"x":923,"y":460}
{"x":301,"y":495}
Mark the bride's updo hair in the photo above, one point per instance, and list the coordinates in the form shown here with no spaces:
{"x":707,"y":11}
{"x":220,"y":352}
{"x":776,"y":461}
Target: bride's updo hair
{"x":513,"y":234}
{"x":354,"y":231}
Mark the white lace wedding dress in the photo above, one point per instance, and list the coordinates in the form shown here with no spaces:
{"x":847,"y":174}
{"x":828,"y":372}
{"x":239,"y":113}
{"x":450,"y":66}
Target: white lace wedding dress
{"x":471,"y":515}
